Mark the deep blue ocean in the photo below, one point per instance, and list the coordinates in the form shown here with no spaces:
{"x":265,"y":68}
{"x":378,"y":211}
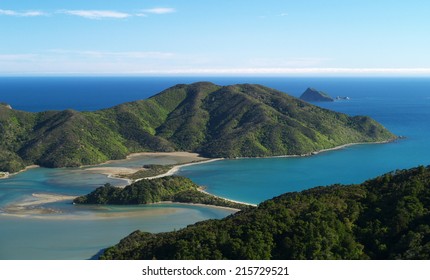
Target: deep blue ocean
{"x":400,"y":104}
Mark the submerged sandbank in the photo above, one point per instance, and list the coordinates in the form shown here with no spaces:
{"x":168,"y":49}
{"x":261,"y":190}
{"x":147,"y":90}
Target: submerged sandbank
{"x":35,"y":208}
{"x":35,"y":204}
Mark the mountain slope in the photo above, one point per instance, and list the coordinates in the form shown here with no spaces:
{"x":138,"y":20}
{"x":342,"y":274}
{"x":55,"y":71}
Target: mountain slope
{"x":230,"y":121}
{"x":384,"y":218}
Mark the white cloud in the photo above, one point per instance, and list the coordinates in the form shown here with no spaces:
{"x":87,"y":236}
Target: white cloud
{"x":22,"y":14}
{"x":159,"y":11}
{"x":109,"y":54}
{"x":96,"y":14}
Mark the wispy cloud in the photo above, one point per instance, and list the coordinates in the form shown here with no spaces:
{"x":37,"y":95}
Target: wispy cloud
{"x":91,"y":14}
{"x":22,"y":14}
{"x":109,"y":54}
{"x":159,"y":11}
{"x":96,"y":14}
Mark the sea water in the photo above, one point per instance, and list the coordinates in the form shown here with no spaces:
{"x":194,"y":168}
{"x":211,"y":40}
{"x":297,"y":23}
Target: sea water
{"x":400,"y":104}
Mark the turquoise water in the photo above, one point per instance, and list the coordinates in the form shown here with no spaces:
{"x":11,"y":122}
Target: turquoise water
{"x":81,"y":236}
{"x":402,"y":105}
{"x":79,"y":232}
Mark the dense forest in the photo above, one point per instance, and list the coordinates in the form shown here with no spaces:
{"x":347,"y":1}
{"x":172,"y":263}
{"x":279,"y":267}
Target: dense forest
{"x":384,"y":218}
{"x":170,"y":188}
{"x":216,"y":121}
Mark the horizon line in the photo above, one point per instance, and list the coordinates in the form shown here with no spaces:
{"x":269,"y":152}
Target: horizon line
{"x":360,"y":72}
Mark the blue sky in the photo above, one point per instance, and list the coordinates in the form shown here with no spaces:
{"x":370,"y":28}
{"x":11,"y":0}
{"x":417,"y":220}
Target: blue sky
{"x":220,"y":37}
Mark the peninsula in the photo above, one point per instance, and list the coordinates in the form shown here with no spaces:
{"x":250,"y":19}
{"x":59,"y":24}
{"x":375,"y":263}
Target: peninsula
{"x":243,"y":120}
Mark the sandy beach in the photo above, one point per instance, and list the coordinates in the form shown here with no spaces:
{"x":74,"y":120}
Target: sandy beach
{"x":182,"y":159}
{"x":201,"y":189}
{"x":176,"y":168}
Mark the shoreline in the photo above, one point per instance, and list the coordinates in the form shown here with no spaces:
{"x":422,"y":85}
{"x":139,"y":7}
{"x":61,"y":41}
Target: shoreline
{"x":202,"y":189}
{"x":34,"y":206}
{"x":112,"y":172}
{"x":195,"y":204}
{"x":191,"y":155}
{"x":7,"y":175}
{"x":325,"y":150}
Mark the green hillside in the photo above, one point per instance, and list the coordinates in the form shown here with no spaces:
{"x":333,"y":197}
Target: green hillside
{"x":231,"y":121}
{"x":384,"y":218}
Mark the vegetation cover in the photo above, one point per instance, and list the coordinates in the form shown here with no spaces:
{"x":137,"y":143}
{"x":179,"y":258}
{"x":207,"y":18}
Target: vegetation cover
{"x":384,"y":218}
{"x":217,"y":121}
{"x":169,"y":188}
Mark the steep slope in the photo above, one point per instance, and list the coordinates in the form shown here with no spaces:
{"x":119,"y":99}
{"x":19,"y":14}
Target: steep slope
{"x":230,"y":121}
{"x":384,"y":218}
{"x":252,"y":120}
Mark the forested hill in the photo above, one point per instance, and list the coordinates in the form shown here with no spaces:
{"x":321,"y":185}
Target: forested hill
{"x":384,"y":218}
{"x":217,"y":121}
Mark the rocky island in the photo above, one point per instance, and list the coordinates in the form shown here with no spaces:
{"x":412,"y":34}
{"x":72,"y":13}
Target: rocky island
{"x":313,"y":95}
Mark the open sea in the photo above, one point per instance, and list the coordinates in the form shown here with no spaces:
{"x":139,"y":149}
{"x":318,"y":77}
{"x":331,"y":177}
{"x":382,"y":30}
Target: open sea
{"x":400,"y":104}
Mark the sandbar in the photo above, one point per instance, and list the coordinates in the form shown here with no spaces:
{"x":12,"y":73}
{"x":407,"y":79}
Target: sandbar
{"x":182,"y":158}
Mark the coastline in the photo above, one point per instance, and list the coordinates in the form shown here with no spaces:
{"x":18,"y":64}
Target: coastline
{"x":8,"y":175}
{"x":197,"y":204}
{"x":31,"y":206}
{"x":327,"y":150}
{"x":193,"y":159}
{"x":34,"y":207}
{"x":202,"y":189}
